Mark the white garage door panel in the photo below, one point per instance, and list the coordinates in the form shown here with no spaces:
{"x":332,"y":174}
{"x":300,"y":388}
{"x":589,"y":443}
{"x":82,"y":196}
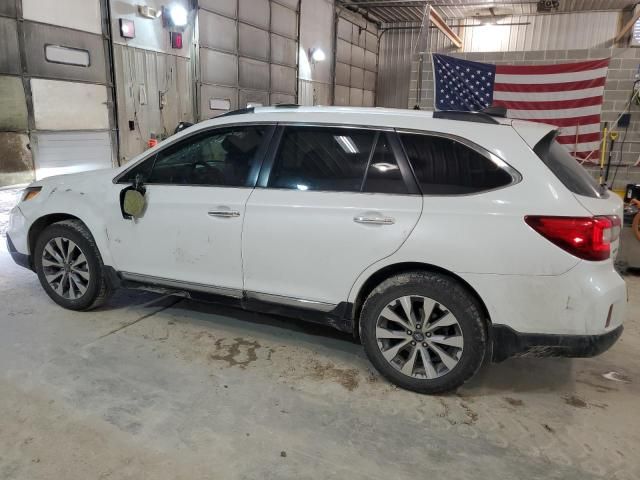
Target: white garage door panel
{"x":78,"y":14}
{"x":255,"y":12}
{"x":58,"y":153}
{"x":69,"y":106}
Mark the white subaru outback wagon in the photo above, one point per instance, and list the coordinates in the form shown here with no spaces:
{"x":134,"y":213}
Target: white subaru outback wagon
{"x":436,"y":239}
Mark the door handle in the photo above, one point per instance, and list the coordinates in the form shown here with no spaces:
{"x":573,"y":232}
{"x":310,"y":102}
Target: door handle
{"x":375,"y":220}
{"x":224,"y":213}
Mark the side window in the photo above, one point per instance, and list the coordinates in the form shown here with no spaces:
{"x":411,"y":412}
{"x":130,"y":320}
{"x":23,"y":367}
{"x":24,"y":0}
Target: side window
{"x":143,"y":169}
{"x":446,"y":167}
{"x":383,"y":174}
{"x":322,"y":158}
{"x":218,"y":158}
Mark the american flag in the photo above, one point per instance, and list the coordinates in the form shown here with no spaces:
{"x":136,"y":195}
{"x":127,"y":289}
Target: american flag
{"x":567,"y":95}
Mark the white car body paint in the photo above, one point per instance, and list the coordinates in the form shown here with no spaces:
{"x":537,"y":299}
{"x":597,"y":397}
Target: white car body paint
{"x":305,"y":244}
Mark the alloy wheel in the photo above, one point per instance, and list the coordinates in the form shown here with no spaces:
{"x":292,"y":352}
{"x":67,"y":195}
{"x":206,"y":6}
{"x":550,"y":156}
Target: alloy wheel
{"x":419,"y":337}
{"x":65,"y":268}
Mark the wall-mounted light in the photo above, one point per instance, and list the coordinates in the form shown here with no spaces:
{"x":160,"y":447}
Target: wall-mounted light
{"x":178,"y":15}
{"x":317,"y":55}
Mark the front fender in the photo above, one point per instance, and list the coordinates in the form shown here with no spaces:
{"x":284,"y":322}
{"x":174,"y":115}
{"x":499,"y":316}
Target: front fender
{"x":86,"y":200}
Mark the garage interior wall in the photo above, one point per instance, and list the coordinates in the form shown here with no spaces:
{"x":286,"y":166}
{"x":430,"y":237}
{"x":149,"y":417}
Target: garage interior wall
{"x":154,"y":82}
{"x":547,"y":39}
{"x":248,"y":53}
{"x":315,"y":78}
{"x":56,"y":93}
{"x":356,"y":62}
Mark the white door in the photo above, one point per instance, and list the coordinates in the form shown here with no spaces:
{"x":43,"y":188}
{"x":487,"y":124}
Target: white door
{"x":196,"y":192}
{"x":319,"y":223}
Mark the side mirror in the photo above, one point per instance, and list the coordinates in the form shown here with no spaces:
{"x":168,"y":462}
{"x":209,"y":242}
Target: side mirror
{"x":133,"y":203}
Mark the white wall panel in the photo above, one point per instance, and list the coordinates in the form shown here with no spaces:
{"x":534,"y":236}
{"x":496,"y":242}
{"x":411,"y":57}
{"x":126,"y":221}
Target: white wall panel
{"x":58,"y":153}
{"x":150,"y":34}
{"x":341,"y":95}
{"x":565,"y":31}
{"x":280,"y":98}
{"x":217,"y":31}
{"x":283,"y":20}
{"x":255,"y":12}
{"x":253,"y":42}
{"x":218,"y":67}
{"x":356,"y":60}
{"x":69,"y":106}
{"x":343,"y":74}
{"x":226,"y":7}
{"x":254,"y":74}
{"x":79,"y":14}
{"x":283,"y":50}
{"x":283,"y":79}
{"x":355,"y":97}
{"x":214,"y":92}
{"x":254,"y":97}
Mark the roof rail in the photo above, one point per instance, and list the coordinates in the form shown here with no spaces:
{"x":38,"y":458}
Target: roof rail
{"x":477,"y":117}
{"x":495,"y":111}
{"x":240,"y":111}
{"x":286,"y":105}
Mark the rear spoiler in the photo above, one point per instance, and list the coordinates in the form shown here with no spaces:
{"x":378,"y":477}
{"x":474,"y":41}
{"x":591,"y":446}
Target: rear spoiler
{"x":533,"y":132}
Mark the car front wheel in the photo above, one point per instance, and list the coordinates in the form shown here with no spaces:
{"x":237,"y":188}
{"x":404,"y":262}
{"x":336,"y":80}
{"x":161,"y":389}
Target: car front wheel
{"x":69,"y":266}
{"x":424,"y":332}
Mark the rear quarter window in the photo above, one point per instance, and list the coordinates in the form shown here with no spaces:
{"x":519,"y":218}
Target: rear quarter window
{"x":566,"y":168}
{"x":444,"y":166}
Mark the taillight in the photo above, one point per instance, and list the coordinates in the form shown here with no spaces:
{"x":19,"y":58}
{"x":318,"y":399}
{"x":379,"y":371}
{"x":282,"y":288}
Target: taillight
{"x":588,"y":238}
{"x":616,"y":228}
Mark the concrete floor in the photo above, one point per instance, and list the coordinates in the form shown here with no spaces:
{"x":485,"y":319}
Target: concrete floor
{"x":162,"y":388}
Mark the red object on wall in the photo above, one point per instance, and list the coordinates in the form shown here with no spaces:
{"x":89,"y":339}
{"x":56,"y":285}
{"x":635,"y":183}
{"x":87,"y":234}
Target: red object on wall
{"x":127,"y":28}
{"x":176,"y":40}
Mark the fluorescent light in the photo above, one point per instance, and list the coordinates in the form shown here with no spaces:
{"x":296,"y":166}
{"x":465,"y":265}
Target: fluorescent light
{"x":302,"y":187}
{"x":347,"y":144}
{"x":179,"y":15}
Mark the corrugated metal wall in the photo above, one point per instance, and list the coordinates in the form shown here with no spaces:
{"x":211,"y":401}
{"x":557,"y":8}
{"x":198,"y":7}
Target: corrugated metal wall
{"x":545,"y":32}
{"x":142,"y":77}
{"x":399,"y":50}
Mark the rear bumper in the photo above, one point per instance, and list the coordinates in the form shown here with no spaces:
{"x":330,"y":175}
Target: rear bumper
{"x":509,"y":343}
{"x":21,"y":259}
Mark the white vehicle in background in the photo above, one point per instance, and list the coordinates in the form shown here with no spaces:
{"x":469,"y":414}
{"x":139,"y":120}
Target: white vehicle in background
{"x":438,"y":240}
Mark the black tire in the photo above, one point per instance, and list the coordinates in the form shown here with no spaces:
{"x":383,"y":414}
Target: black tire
{"x":98,"y":288}
{"x":446,"y":291}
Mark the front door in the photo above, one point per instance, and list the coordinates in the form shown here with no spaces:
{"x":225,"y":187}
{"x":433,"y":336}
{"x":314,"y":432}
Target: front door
{"x":336,"y":201}
{"x":196,"y":193}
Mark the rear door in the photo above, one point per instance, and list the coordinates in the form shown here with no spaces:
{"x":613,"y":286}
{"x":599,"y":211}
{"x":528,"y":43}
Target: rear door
{"x":330,"y":202}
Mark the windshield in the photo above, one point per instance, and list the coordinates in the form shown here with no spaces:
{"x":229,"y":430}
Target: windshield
{"x":567,"y":168}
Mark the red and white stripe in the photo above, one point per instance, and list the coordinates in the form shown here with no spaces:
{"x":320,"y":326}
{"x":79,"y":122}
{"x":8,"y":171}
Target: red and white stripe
{"x":567,"y":95}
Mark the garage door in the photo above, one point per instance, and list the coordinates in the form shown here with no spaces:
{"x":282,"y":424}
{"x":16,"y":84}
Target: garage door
{"x":356,"y":61}
{"x":248,"y":53}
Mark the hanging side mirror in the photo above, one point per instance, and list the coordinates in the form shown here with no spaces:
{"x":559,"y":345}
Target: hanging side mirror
{"x":132,"y":199}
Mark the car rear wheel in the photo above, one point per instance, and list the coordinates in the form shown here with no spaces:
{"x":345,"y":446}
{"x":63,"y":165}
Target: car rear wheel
{"x":69,"y":266}
{"x":424,"y":332}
